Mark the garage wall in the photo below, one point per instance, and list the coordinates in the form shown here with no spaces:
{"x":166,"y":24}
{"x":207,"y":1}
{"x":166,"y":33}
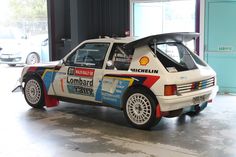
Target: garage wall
{"x":220,"y":42}
{"x":100,"y":18}
{"x":78,"y":20}
{"x":58,"y":26}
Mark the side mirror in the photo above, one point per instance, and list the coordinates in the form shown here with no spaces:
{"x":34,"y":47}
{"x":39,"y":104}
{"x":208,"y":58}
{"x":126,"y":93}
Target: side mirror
{"x":63,"y":61}
{"x":110,"y":63}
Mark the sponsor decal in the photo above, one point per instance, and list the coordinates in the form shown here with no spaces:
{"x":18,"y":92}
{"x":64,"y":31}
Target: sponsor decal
{"x":80,"y":81}
{"x":81,"y":72}
{"x":145,"y":71}
{"x":113,"y":86}
{"x":114,"y":98}
{"x":80,"y":90}
{"x":144,"y":61}
{"x":146,"y":80}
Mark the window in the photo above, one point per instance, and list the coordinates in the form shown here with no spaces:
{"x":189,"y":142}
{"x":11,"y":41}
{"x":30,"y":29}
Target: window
{"x":119,"y":59}
{"x":154,"y":17}
{"x":89,"y":55}
{"x":176,"y":57}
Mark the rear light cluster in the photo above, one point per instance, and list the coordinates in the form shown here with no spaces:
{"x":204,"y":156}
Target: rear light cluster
{"x":189,"y":87}
{"x":194,"y":86}
{"x":170,"y":90}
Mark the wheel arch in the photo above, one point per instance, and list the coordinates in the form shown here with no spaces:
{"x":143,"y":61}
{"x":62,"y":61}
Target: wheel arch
{"x":32,"y":74}
{"x":49,"y":101}
{"x":136,"y":87}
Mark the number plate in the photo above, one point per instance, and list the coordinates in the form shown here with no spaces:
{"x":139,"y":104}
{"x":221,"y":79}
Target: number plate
{"x":199,"y":99}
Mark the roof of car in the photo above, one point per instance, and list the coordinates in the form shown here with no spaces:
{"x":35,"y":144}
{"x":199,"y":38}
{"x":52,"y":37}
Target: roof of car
{"x":114,"y":40}
{"x":134,"y":42}
{"x":162,"y":38}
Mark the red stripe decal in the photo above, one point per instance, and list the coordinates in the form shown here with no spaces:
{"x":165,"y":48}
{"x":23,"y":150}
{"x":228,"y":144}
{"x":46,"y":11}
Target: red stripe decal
{"x":32,"y":69}
{"x":150,"y":81}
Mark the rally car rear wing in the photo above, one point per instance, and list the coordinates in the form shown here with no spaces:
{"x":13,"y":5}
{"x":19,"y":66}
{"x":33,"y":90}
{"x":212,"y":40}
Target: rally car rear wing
{"x":162,"y":38}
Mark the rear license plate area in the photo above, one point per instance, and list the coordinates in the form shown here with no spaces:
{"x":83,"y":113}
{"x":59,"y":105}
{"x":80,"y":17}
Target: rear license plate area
{"x":199,"y":99}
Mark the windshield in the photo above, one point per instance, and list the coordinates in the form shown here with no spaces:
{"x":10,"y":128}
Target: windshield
{"x":176,"y":57}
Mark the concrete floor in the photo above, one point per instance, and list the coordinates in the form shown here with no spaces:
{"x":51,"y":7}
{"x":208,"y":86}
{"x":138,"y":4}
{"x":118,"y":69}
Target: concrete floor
{"x":71,"y":130}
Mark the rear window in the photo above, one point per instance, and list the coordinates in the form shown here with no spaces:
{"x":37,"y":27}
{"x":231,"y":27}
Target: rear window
{"x":176,"y":57}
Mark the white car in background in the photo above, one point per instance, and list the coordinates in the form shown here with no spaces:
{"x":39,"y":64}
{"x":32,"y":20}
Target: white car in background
{"x":16,"y":48}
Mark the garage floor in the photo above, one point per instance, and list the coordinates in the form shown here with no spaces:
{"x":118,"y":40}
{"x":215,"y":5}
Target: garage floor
{"x":75,"y":130}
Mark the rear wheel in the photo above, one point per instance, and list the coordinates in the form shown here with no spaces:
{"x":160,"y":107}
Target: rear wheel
{"x":33,"y":92}
{"x":140,"y":109}
{"x":32,"y":59}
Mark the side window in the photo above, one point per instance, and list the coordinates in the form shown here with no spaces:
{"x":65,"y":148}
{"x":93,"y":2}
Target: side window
{"x":119,"y":59}
{"x":89,"y":55}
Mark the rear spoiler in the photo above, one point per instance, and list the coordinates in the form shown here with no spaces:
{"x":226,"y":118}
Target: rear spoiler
{"x":162,"y":38}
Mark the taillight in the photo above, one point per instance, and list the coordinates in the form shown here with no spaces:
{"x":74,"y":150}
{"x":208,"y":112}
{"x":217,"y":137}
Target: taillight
{"x":170,"y":90}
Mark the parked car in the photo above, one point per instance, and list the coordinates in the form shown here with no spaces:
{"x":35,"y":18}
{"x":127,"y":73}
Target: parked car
{"x":149,"y":78}
{"x":16,"y":48}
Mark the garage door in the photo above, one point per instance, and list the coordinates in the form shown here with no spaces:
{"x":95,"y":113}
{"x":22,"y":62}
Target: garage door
{"x":220,"y":42}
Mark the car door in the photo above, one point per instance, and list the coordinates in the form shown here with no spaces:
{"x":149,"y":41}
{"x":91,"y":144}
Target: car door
{"x":117,"y":77}
{"x":79,"y":77}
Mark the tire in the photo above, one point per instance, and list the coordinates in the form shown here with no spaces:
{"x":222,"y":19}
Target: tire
{"x":33,"y":92}
{"x":32,"y":58}
{"x":139,"y":108}
{"x":11,"y":65}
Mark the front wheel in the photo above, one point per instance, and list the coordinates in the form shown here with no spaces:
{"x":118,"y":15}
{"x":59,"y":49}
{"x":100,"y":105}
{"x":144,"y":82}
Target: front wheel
{"x":140,"y":109}
{"x":33,"y":92}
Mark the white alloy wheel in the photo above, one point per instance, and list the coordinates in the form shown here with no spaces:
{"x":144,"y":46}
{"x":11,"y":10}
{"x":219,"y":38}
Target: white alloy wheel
{"x":32,"y":59}
{"x":139,"y":109}
{"x":33,"y":91}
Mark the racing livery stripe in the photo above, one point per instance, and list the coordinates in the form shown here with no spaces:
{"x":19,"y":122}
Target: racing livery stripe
{"x":32,"y":69}
{"x":57,"y":68}
{"x":146,"y":80}
{"x":46,"y":73}
{"x":150,"y":81}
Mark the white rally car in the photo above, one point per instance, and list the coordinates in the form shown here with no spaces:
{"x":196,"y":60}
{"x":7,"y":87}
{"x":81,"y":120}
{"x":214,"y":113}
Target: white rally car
{"x":148,"y":78}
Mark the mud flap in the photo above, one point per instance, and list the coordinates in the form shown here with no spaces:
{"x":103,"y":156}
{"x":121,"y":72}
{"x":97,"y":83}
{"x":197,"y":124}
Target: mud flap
{"x":158,"y":111}
{"x":50,"y":101}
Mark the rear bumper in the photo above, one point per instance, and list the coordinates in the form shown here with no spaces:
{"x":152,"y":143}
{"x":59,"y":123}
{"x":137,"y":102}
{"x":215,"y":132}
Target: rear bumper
{"x":170,"y":103}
